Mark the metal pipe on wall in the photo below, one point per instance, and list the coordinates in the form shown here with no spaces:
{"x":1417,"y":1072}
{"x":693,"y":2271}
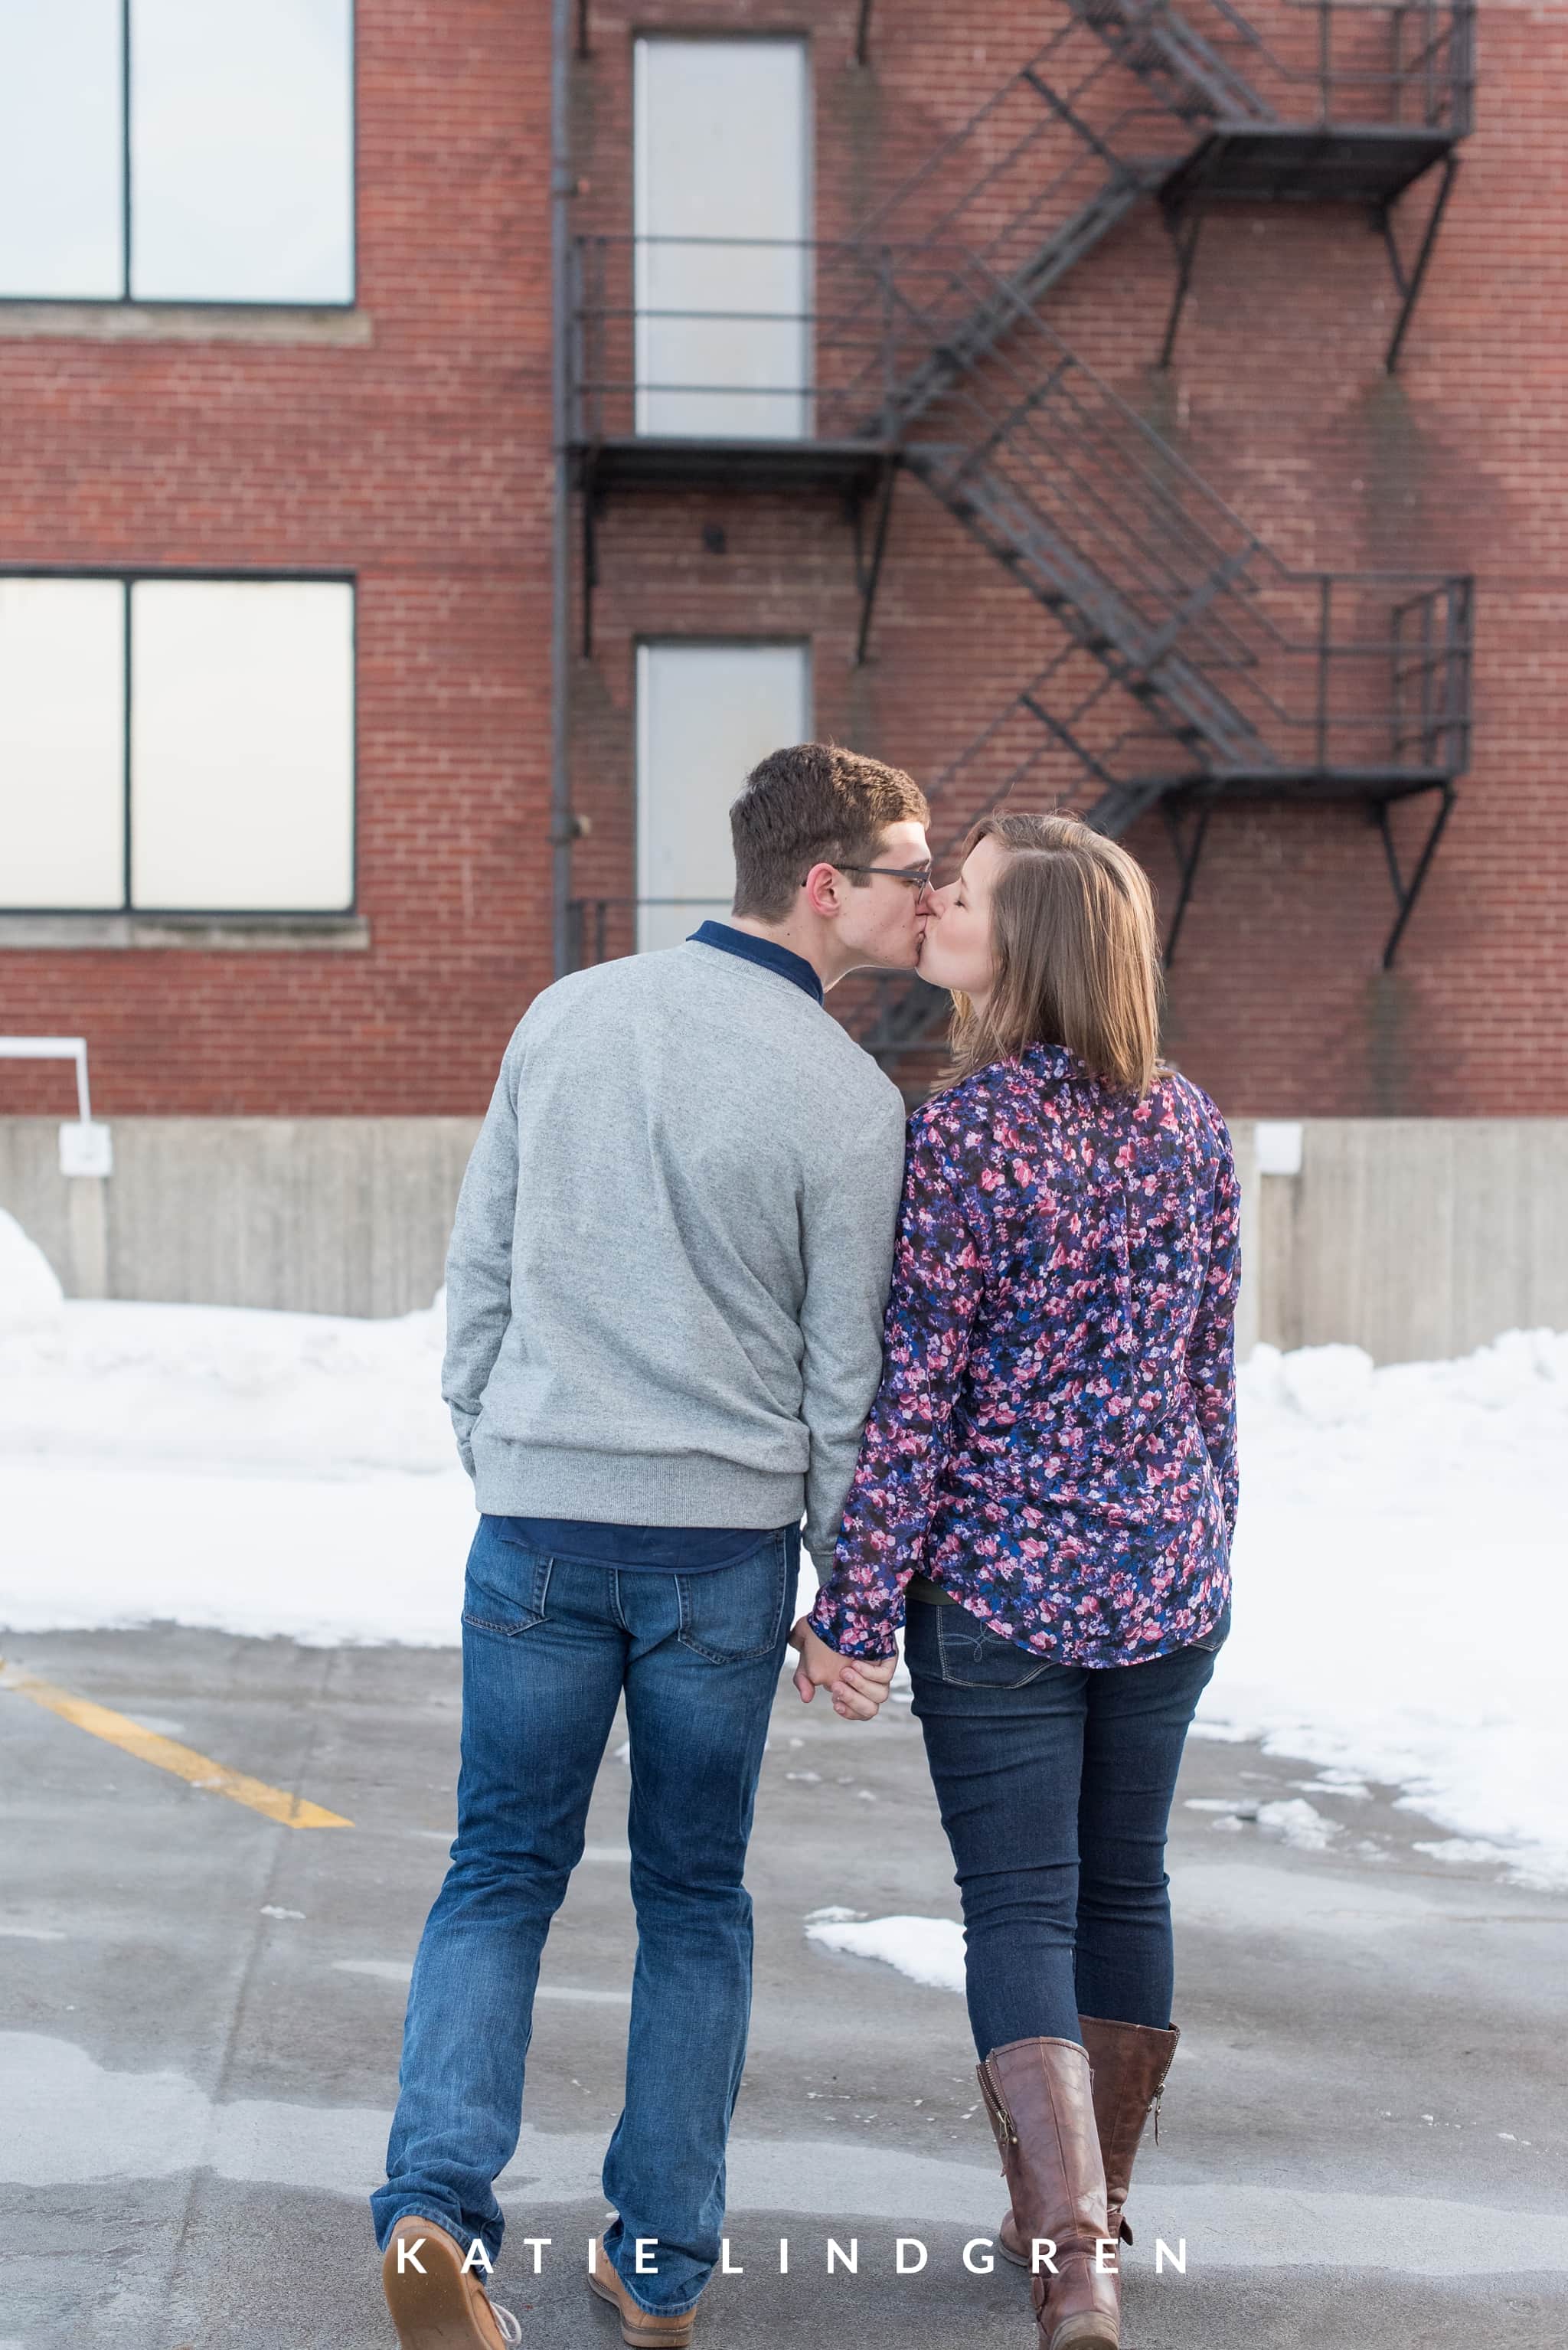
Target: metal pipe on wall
{"x":562,"y":187}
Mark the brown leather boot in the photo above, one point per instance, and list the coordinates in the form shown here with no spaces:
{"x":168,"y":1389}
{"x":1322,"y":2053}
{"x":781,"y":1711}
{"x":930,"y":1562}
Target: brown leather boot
{"x":1130,"y":2063}
{"x":640,"y":2328}
{"x":1041,"y":2103}
{"x":435,"y":2304}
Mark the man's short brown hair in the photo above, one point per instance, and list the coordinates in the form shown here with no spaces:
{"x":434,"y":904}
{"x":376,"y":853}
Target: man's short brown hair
{"x":812,"y":804}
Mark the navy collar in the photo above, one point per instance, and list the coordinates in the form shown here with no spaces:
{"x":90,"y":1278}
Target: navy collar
{"x":790,"y":966}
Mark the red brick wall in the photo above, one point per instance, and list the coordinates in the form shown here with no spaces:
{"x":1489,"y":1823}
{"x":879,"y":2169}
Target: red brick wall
{"x":423,"y":463}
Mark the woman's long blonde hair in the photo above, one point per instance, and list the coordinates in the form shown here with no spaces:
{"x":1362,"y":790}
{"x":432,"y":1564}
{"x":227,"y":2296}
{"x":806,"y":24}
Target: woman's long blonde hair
{"x":1076,"y":954}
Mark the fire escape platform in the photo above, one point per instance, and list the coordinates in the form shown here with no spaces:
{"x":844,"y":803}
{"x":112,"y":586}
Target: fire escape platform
{"x":1374,"y":784}
{"x":1307,"y":163}
{"x":646,"y":461}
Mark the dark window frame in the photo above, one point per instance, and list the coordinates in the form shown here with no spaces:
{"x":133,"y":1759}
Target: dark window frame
{"x":127,"y":576}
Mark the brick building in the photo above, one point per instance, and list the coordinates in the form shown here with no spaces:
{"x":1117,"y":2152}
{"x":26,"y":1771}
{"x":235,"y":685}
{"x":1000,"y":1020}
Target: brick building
{"x":869,"y":436}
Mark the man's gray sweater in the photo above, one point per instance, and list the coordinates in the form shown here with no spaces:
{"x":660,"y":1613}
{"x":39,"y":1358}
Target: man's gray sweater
{"x":671,"y":1255}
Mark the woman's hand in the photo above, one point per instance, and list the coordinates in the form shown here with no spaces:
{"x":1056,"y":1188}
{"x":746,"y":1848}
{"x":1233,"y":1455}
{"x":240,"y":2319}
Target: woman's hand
{"x":857,"y":1685}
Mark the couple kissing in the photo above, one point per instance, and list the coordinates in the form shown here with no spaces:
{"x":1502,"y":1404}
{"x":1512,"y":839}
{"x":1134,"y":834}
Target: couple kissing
{"x":706,"y":1280}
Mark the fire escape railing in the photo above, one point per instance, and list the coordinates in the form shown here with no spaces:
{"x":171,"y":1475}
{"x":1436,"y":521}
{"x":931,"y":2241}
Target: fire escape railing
{"x":865,"y":332}
{"x":1398,"y":63}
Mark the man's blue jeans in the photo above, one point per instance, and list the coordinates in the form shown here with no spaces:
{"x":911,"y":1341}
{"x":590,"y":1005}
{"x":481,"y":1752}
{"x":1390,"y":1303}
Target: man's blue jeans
{"x":1055,"y":1784}
{"x":549,"y":1645}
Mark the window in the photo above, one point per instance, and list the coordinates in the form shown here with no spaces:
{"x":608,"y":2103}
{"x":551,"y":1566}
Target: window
{"x":62,"y":742}
{"x":722,"y":144}
{"x":212,"y":163}
{"x":705,"y":715}
{"x":62,"y":113}
{"x":176,"y":746}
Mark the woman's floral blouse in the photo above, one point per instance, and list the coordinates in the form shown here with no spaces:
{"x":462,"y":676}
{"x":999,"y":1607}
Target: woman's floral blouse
{"x":1053,"y":1440}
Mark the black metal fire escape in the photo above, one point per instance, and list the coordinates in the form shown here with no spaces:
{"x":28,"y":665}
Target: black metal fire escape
{"x":1190,"y":666}
{"x":1361,"y":101}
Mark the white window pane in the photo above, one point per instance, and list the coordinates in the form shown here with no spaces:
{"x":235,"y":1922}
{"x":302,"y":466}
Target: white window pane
{"x":720,"y":153}
{"x":705,"y":715}
{"x":241,"y":745}
{"x":241,"y":151}
{"x":61,"y":141}
{"x":62,"y":742}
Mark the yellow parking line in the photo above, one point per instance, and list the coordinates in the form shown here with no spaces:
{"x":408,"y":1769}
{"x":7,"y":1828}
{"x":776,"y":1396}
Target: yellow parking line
{"x":168,"y":1754}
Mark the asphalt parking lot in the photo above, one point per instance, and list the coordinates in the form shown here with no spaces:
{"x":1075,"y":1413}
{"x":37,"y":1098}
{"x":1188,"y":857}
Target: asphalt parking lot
{"x":1363,"y":2141}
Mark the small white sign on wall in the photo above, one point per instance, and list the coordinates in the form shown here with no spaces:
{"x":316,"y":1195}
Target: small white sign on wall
{"x":86,"y":1148}
{"x":1279,"y":1145}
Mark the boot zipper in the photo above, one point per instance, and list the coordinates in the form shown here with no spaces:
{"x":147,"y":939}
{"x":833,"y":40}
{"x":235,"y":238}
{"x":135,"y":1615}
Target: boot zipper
{"x":1000,"y":2120}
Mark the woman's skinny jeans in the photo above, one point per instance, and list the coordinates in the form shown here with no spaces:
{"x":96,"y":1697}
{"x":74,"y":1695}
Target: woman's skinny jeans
{"x":1054,"y":1785}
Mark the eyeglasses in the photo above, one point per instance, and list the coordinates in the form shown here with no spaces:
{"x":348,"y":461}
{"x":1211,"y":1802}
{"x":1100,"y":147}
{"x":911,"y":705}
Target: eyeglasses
{"x":919,"y":876}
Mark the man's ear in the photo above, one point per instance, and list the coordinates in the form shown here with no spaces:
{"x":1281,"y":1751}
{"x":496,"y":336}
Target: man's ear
{"x":823,"y":888}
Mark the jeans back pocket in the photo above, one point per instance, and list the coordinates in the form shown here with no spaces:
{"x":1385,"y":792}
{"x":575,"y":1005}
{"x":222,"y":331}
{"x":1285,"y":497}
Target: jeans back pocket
{"x":504,"y":1588}
{"x":733,"y":1614}
{"x":1215,"y":1640}
{"x":974,"y":1656}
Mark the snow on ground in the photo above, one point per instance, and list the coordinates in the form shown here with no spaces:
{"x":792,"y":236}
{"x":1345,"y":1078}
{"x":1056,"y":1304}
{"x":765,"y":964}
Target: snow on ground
{"x":1401,"y":1567}
{"x":238,"y":1471}
{"x":1401,"y":1572}
{"x":930,"y":1950}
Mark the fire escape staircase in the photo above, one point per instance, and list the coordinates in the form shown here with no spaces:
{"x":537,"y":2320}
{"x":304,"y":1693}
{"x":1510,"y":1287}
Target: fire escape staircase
{"x":1189,"y":665}
{"x":1173,"y":60}
{"x":1247,"y":680}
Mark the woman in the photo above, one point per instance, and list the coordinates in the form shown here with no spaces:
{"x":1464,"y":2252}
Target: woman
{"x":1049,"y":1474}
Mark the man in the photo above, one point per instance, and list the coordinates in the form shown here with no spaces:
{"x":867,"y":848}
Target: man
{"x":664,"y":1308}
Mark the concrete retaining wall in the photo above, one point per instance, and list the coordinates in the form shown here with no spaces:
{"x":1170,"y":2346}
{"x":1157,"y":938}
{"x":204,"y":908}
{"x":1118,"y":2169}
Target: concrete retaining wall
{"x":1413,"y":1237}
{"x":326,"y":1215}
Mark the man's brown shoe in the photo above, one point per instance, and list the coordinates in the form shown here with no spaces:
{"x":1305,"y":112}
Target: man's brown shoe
{"x":640,"y":2328}
{"x":436,"y":2306}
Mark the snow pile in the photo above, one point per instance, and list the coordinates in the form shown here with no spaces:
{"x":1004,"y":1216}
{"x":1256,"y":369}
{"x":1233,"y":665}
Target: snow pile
{"x":224,"y":1387}
{"x":236,"y":1471}
{"x":1299,"y":1824}
{"x":930,"y":1950}
{"x":31,"y":1298}
{"x":1401,"y":1609}
{"x":1326,"y":1385}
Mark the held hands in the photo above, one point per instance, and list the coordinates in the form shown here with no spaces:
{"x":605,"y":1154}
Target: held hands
{"x":857,"y":1685}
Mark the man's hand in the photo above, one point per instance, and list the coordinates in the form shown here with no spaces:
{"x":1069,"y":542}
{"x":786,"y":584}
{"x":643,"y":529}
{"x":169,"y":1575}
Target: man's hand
{"x":857,"y":1685}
